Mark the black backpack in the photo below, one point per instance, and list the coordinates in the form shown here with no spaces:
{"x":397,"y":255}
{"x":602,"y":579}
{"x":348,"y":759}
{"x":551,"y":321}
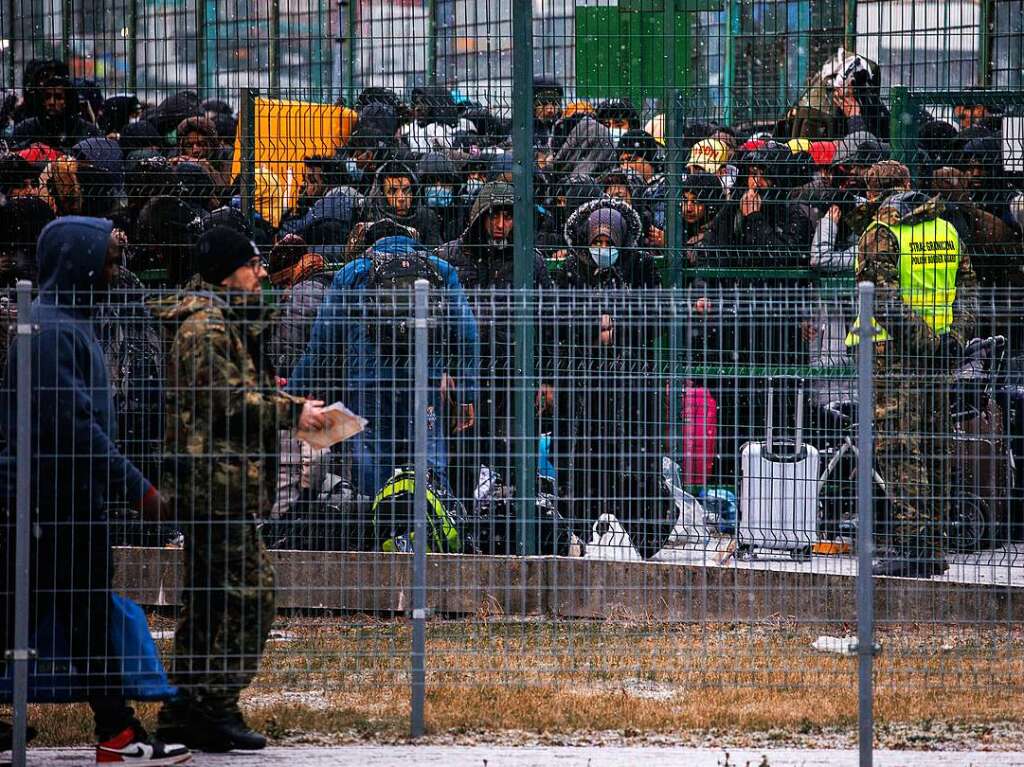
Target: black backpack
{"x":390,"y":298}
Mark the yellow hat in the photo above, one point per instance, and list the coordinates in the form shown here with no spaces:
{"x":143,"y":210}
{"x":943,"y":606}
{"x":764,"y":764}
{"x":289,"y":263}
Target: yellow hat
{"x":709,"y":154}
{"x":798,"y":145}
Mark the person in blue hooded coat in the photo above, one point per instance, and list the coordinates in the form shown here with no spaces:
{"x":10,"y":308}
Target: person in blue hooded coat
{"x":379,"y":385}
{"x":77,"y":469}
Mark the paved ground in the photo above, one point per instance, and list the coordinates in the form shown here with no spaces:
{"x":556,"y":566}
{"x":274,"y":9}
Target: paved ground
{"x":498,"y":756}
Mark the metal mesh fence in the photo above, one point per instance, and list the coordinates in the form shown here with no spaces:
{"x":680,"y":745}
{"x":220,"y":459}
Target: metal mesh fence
{"x":621,"y":471}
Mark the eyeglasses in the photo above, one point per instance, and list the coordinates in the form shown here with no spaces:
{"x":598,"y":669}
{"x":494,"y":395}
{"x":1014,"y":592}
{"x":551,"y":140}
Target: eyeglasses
{"x":256,"y":264}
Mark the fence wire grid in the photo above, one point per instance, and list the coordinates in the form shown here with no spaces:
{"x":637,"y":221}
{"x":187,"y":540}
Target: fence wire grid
{"x":652,"y":366}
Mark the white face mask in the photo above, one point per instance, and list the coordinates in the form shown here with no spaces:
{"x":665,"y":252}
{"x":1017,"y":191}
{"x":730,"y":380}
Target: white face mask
{"x":616,"y":133}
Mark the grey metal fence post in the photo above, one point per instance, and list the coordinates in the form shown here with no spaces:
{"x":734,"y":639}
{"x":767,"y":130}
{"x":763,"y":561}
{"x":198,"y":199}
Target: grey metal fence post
{"x":22,"y":653}
{"x":420,"y":539}
{"x":865,"y":532}
{"x":524,"y":424}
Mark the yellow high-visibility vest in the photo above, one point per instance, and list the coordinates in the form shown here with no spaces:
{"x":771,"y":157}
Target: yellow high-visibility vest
{"x":929,"y":261}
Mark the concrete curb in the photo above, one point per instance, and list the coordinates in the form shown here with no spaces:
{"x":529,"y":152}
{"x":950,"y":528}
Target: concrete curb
{"x":558,"y":587}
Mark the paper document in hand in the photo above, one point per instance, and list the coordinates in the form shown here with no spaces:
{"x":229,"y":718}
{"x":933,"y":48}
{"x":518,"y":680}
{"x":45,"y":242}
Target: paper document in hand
{"x":341,"y":424}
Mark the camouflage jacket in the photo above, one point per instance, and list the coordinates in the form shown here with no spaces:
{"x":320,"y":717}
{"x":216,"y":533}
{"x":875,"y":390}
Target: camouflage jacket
{"x":223,"y":408}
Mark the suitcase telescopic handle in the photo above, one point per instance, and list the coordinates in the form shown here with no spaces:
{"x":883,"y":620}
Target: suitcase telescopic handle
{"x":800,"y":398}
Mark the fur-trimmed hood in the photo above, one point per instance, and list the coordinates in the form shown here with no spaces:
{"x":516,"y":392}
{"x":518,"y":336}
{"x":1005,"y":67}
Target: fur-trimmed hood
{"x":576,"y":228}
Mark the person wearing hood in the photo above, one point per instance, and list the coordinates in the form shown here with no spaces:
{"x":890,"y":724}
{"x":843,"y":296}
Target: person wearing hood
{"x":223,"y":415}
{"x":56,"y":121}
{"x":924,"y":314}
{"x":483,"y":253}
{"x":166,"y":231}
{"x":74,"y":439}
{"x":140,"y":140}
{"x":604,"y":236}
{"x":397,"y":194}
{"x":602,"y":444}
{"x":485,"y":259}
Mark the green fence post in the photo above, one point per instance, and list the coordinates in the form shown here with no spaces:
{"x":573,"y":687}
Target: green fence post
{"x":850,"y":25}
{"x":131,"y":45}
{"x":247,"y":141}
{"x":66,"y":11}
{"x":12,"y":46}
{"x":985,"y":43}
{"x":206,"y":47}
{"x":432,"y":42}
{"x":732,"y":22}
{"x":670,"y":106}
{"x":274,"y":49}
{"x":350,"y":73}
{"x":524,"y":427}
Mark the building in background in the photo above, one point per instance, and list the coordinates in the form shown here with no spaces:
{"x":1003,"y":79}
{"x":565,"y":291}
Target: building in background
{"x":321,"y":49}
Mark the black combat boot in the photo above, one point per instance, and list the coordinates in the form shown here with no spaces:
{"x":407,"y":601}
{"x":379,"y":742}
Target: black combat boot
{"x":242,"y":735}
{"x":222,"y":729}
{"x":918,"y":557}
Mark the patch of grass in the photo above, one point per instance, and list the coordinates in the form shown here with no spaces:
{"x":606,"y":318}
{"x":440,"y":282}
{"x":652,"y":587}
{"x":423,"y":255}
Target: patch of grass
{"x":348,"y":678}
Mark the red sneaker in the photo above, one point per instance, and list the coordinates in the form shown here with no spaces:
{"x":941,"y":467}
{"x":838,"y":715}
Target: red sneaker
{"x":131,"y":747}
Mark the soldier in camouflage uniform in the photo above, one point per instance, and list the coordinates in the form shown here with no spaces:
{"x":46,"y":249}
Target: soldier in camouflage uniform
{"x":925,"y":309}
{"x":223,"y":417}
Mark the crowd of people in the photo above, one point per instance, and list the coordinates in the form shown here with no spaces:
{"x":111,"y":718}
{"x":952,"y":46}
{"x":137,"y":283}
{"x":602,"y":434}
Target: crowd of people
{"x":208,"y":383}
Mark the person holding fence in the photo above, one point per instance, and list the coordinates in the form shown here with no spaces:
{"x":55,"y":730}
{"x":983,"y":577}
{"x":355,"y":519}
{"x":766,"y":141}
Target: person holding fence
{"x":224,"y":414}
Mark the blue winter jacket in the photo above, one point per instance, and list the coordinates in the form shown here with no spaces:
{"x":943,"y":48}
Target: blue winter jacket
{"x":340,"y":339}
{"x":77,"y":465}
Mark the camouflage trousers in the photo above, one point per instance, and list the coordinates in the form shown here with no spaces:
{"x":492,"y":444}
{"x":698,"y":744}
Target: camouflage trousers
{"x":913,"y":454}
{"x":228,"y":608}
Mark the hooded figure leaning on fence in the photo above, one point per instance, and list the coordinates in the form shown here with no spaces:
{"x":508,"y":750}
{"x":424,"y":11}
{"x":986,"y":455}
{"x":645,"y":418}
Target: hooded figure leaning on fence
{"x":925,"y":312}
{"x":73,"y":442}
{"x":224,"y":414}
